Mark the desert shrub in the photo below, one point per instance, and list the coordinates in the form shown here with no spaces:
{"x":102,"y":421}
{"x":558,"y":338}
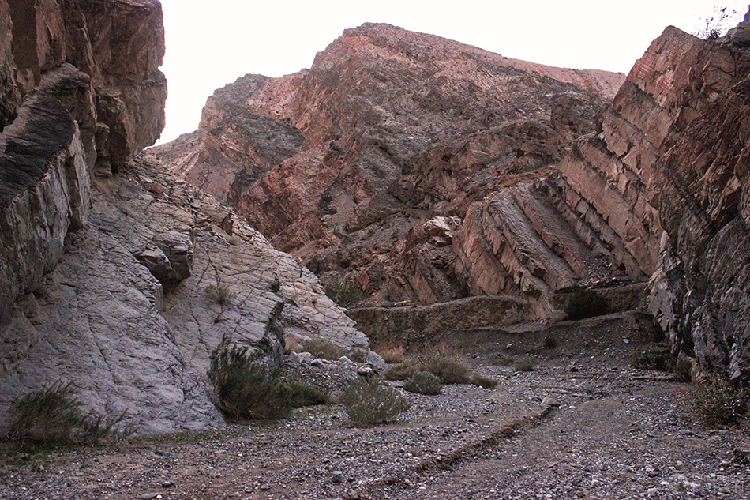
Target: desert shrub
{"x":448,"y":367}
{"x":358,"y":355}
{"x":369,"y":403}
{"x":323,"y":348}
{"x":244,"y":387}
{"x":718,"y":402}
{"x":401,"y":371}
{"x":524,"y":364}
{"x":651,"y":361}
{"x":343,"y":293}
{"x":666,"y":362}
{"x":585,"y":303}
{"x":683,"y":370}
{"x":305,"y":395}
{"x":391,"y":353}
{"x":502,"y":359}
{"x":53,"y":415}
{"x":221,"y":294}
{"x":483,"y":382}
{"x":423,"y":383}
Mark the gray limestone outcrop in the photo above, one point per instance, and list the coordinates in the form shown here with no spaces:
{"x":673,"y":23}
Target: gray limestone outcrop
{"x":116,"y":275}
{"x":102,"y":320}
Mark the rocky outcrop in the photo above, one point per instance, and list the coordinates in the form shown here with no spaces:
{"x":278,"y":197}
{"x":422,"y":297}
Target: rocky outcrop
{"x":118,"y":44}
{"x":668,"y":173}
{"x":80,"y":85}
{"x":431,"y":170}
{"x":123,"y":283}
{"x":102,"y":320}
{"x":388,"y":128}
{"x":417,"y":327}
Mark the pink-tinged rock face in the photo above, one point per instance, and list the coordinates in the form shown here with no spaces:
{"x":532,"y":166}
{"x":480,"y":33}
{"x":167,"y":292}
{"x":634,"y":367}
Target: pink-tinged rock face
{"x":387,"y":129}
{"x":667,"y":171}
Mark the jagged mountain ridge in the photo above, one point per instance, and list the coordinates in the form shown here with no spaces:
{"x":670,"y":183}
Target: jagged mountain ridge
{"x":393,"y":138}
{"x":397,"y":127}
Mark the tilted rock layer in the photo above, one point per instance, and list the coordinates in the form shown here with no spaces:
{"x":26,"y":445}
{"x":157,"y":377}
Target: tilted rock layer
{"x":424,"y":170}
{"x":338,"y":163}
{"x":123,"y":282}
{"x":80,"y":86}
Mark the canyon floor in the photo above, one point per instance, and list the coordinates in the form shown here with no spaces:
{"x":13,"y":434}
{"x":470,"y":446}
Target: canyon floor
{"x":582,"y":424}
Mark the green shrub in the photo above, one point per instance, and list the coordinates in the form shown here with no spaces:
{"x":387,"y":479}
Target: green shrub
{"x":369,"y":403}
{"x":585,"y":303}
{"x":719,"y":403}
{"x":401,"y":371}
{"x":53,"y":415}
{"x":524,"y":364}
{"x":666,"y":362}
{"x":244,"y":388}
{"x":358,"y":355}
{"x":651,"y":361}
{"x":323,"y":348}
{"x":483,"y":382}
{"x":305,"y":395}
{"x":447,"y":367}
{"x":423,"y":383}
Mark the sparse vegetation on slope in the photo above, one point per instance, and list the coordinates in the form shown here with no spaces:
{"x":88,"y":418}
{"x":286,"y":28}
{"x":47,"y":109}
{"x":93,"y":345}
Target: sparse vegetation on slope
{"x":447,"y":367}
{"x":666,"y":362}
{"x":244,"y":388}
{"x":719,"y":402}
{"x":325,"y":349}
{"x":53,"y":415}
{"x":423,"y":383}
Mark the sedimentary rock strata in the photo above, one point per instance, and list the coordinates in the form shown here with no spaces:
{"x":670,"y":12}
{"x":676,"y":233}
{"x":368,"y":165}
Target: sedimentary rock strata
{"x":385,"y":130}
{"x":546,"y":186}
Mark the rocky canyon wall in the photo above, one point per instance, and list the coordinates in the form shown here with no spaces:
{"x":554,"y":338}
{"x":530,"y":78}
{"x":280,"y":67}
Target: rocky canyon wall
{"x":116,"y":274}
{"x":422,"y":171}
{"x":81,"y":86}
{"x":387,"y":130}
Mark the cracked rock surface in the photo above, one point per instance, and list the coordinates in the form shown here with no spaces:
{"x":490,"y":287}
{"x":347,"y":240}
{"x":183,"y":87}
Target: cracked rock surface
{"x":132,"y":338}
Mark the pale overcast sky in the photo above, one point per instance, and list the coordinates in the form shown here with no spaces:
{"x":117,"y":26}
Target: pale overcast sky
{"x":212,"y":43}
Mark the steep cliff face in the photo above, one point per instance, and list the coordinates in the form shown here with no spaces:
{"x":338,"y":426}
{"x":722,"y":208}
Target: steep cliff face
{"x":387,"y":129}
{"x":669,"y":172}
{"x":115,"y":274}
{"x":80,"y":85}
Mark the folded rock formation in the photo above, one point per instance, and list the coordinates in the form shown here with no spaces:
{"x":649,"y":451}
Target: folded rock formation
{"x":423,"y":171}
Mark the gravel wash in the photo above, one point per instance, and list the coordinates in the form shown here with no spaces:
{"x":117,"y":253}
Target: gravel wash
{"x":564,"y":430}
